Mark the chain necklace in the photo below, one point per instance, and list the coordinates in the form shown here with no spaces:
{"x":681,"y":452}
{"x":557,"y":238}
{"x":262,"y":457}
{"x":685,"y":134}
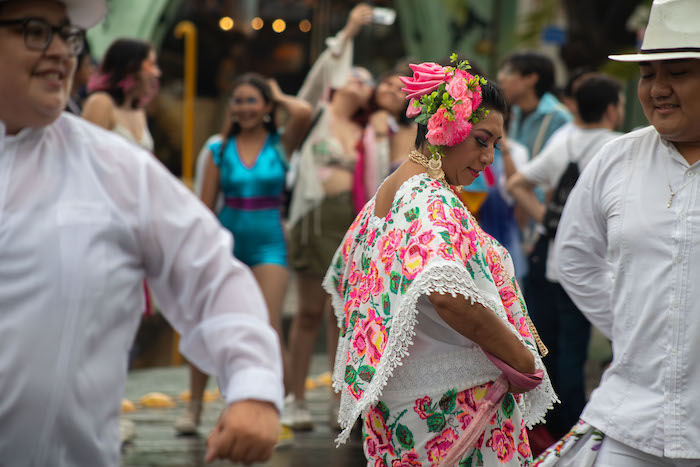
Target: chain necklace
{"x":668,"y":181}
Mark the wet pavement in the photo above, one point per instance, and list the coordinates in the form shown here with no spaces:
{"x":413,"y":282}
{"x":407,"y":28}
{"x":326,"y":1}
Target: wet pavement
{"x":156,"y":444}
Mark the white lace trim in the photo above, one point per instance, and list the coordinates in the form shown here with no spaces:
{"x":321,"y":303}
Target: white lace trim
{"x":418,"y":376}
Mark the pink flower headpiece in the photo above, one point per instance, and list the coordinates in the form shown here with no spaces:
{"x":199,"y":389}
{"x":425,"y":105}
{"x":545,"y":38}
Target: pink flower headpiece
{"x":446,"y":99}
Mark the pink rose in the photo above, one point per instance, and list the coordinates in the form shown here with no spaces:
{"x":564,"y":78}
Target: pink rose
{"x":427,"y":77}
{"x":438,"y":447}
{"x":359,"y":343}
{"x":508,"y":296}
{"x":414,"y":258}
{"x":413,"y":110}
{"x":408,"y":459}
{"x":422,"y":407}
{"x":377,"y":433}
{"x":388,"y":244}
{"x":445,"y":132}
{"x":446,"y":251}
{"x":502,"y":442}
{"x":426,"y":237}
{"x":375,"y":334}
{"x":458,"y":89}
{"x":437,"y":210}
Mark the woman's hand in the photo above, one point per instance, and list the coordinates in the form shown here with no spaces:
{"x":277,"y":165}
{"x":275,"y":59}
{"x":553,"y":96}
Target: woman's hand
{"x":380,"y":123}
{"x":276,"y":92}
{"x":359,"y":16}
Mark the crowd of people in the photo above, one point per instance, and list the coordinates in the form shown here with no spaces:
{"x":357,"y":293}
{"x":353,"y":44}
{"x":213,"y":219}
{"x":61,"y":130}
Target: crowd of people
{"x":459,"y":233}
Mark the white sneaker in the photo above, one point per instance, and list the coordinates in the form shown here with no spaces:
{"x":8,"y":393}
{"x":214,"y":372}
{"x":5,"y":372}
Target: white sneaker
{"x":296,"y":415}
{"x":127,"y":430}
{"x":187,"y":424}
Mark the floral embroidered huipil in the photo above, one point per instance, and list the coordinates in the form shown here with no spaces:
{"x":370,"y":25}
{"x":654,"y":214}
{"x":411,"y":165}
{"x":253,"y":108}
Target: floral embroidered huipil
{"x":427,"y":243}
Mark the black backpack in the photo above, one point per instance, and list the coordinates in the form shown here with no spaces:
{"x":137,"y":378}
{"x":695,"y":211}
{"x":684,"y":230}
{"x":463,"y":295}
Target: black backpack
{"x":555,"y":206}
{"x":566,"y":183}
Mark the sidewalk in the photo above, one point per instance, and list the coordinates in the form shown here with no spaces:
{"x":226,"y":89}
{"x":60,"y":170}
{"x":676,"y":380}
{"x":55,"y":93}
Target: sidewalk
{"x":155,"y":443}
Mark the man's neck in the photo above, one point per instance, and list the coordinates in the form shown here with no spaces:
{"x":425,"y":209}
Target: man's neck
{"x":528,"y":103}
{"x":689,"y":151}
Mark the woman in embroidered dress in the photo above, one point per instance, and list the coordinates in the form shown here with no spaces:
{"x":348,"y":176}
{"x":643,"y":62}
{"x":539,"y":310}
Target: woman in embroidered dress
{"x":421,"y":293}
{"x":248,"y":165}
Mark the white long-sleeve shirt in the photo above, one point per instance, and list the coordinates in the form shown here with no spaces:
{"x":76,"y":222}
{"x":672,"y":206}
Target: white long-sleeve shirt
{"x":85,"y":216}
{"x":632,"y":266}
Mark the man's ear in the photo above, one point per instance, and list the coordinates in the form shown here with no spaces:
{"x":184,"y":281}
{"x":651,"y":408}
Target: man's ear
{"x":531,"y":79}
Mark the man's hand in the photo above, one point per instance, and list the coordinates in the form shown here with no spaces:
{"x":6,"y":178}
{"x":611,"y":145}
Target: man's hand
{"x":246,"y":432}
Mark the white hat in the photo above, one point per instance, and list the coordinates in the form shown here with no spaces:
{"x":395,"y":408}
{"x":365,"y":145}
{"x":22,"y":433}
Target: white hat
{"x":84,"y":13}
{"x":673,"y":32}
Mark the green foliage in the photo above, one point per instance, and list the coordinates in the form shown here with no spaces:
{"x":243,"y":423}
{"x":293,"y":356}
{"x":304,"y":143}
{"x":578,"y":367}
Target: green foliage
{"x":365,"y":373}
{"x":404,"y":436}
{"x":350,"y":374}
{"x":436,"y":422}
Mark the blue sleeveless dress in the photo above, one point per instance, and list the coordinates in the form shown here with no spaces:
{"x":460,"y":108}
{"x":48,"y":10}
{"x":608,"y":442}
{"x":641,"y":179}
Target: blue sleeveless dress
{"x":253,"y":201}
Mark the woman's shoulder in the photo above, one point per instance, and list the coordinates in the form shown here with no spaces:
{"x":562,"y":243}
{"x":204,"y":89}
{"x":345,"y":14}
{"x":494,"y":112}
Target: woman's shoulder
{"x":99,"y":108}
{"x":100,"y":99}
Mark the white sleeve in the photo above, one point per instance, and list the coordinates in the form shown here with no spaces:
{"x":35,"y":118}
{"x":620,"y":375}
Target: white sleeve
{"x":330,"y":70}
{"x":207,"y":295}
{"x":545,"y":169}
{"x":581,"y":247}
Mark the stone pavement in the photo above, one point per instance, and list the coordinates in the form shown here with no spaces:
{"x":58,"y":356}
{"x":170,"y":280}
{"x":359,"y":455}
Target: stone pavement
{"x":155,"y":443}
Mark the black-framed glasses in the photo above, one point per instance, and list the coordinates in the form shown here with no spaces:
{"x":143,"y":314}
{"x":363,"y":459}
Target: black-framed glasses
{"x":38,"y":34}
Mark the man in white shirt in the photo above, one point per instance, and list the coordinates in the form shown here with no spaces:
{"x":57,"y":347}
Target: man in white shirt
{"x":564,"y":330}
{"x":629,"y":257}
{"x":84,"y":218}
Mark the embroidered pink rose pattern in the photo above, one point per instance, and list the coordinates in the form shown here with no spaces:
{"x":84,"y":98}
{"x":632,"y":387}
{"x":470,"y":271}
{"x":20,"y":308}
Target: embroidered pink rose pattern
{"x":422,"y":432}
{"x":377,"y":263}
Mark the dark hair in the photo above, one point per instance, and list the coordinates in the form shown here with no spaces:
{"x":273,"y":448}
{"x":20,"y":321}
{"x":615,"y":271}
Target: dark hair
{"x":122,"y":59}
{"x":492,"y":99}
{"x":527,"y":63}
{"x":259,"y":82}
{"x":573,"y":77}
{"x":594,"y":95}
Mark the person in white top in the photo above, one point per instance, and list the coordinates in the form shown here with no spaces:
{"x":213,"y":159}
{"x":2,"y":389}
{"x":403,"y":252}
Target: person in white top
{"x":629,"y":257}
{"x":85,"y":216}
{"x":564,"y":330}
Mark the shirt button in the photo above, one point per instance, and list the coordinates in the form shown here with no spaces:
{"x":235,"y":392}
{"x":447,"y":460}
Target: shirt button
{"x":682,"y":216}
{"x":678,"y":259}
{"x":673,"y":352}
{"x":674,"y":304}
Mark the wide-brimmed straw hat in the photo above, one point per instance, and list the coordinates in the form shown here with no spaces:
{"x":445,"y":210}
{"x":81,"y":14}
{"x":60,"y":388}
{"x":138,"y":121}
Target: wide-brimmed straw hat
{"x":673,"y":32}
{"x":83,"y":13}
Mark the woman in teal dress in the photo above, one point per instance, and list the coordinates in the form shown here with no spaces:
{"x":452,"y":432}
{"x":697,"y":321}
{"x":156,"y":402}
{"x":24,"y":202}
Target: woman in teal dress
{"x":248,"y":166}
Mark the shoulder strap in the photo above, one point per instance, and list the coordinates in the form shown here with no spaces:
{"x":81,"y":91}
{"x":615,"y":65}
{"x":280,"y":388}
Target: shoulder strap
{"x":539,"y":141}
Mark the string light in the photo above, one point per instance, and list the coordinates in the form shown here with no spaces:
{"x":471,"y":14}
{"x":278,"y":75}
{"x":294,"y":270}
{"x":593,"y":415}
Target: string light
{"x":279,"y":25}
{"x":257,"y":23}
{"x":226,"y":23}
{"x":305,"y":25}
